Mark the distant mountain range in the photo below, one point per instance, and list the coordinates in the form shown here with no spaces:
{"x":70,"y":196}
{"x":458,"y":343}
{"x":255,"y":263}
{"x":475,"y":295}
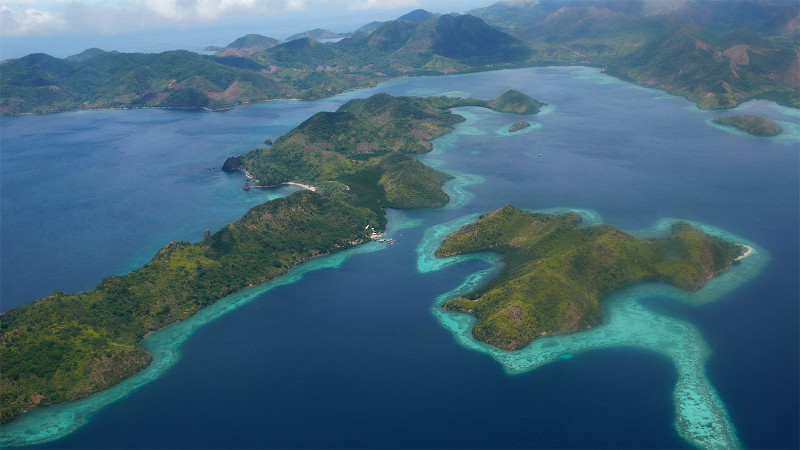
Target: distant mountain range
{"x":715,"y":53}
{"x":316,"y":33}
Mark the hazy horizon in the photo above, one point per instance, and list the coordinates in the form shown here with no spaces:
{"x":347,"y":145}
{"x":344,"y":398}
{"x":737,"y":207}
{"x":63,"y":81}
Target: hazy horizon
{"x":188,"y":34}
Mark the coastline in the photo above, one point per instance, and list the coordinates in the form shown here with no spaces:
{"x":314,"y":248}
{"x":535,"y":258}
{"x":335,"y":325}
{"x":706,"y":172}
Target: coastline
{"x":385,"y":78}
{"x":748,"y":251}
{"x":701,"y":417}
{"x":293,"y":183}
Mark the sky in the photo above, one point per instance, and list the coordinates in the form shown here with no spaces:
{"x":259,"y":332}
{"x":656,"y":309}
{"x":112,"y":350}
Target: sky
{"x":65,"y":27}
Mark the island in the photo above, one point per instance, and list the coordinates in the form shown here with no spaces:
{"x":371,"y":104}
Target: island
{"x":754,"y":125}
{"x":518,"y":125}
{"x":515,"y":102}
{"x":358,"y":162}
{"x":557,"y":272}
{"x":664,"y":49}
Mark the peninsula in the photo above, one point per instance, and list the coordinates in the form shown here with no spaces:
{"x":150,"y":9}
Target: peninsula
{"x":755,"y":125}
{"x":557,"y":273}
{"x":69,"y":346}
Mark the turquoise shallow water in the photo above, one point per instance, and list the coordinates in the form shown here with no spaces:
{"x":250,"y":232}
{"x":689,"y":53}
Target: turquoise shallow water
{"x":353,"y":352}
{"x":701,"y":417}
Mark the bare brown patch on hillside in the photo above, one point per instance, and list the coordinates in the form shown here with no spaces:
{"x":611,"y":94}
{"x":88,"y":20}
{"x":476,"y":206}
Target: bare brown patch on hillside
{"x":738,"y":54}
{"x":231,"y":92}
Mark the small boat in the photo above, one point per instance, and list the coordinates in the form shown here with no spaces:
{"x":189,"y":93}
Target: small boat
{"x":246,"y":187}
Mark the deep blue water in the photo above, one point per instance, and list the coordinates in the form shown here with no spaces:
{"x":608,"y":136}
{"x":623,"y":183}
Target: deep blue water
{"x":352,"y":357}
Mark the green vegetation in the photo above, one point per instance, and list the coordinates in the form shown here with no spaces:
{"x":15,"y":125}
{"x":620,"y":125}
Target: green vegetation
{"x":557,"y":273}
{"x":519,"y":125}
{"x":365,"y":143}
{"x":254,"y":68}
{"x":755,"y":125}
{"x":316,"y":33}
{"x":718,"y":65}
{"x":515,"y":102}
{"x":66,"y":347}
{"x":69,"y":346}
{"x":710,"y":54}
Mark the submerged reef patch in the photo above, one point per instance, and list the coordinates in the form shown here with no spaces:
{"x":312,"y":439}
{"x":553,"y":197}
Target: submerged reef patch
{"x":700,"y":414}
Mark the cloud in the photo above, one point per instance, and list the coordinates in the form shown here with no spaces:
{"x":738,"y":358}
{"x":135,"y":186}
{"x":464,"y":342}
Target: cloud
{"x":29,"y":17}
{"x":28,"y":20}
{"x":383,"y":4}
{"x":43,"y":17}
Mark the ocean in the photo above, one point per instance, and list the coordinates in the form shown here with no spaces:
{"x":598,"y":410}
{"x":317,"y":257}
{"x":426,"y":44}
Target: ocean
{"x":350,"y":350}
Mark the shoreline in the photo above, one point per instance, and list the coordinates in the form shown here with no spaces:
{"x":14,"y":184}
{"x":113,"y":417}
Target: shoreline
{"x":385,"y":78}
{"x":748,"y":251}
{"x":293,"y":183}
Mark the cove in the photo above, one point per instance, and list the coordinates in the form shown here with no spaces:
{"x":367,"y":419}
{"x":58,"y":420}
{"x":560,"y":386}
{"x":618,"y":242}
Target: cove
{"x":700,"y":414}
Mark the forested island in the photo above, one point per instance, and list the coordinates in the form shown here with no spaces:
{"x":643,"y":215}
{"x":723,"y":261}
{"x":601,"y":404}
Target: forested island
{"x":557,"y":273}
{"x":716,"y":56}
{"x":518,"y":125}
{"x":69,"y":346}
{"x":755,"y":125}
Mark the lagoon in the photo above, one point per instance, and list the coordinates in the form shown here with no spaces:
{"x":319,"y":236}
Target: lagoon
{"x":351,"y":355}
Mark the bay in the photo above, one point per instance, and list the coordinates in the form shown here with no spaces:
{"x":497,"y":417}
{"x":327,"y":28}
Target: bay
{"x":352,"y":356}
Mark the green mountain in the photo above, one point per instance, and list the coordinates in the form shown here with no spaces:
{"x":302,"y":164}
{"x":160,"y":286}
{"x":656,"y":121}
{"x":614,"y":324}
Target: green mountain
{"x":41,"y":83}
{"x":366,"y":141}
{"x":515,"y":102}
{"x":715,"y":65}
{"x":755,"y":125}
{"x":418,"y":16}
{"x":717,"y":72}
{"x":557,"y":273}
{"x":302,"y":68}
{"x":665,"y":46}
{"x":368,"y":28}
{"x":247,"y":45}
{"x":771,"y":16}
{"x":86,"y":54}
{"x":764,"y":16}
{"x":316,"y":33}
{"x":253,"y":40}
{"x":469,"y":39}
{"x":69,"y":346}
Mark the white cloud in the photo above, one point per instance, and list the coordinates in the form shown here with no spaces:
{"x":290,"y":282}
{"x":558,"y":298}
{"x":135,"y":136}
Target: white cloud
{"x":28,"y":20}
{"x":383,"y":4}
{"x":31,"y":17}
{"x":43,"y":17}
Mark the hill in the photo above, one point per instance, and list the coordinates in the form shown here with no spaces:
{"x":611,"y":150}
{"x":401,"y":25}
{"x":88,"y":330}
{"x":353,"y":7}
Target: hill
{"x":691,"y":50}
{"x":755,"y":125}
{"x":301,"y":68}
{"x":365,"y":143}
{"x":86,"y":54}
{"x":417,"y":16}
{"x":515,"y":102}
{"x":247,"y":45}
{"x":316,"y":33}
{"x":69,"y":346}
{"x":557,"y":273}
